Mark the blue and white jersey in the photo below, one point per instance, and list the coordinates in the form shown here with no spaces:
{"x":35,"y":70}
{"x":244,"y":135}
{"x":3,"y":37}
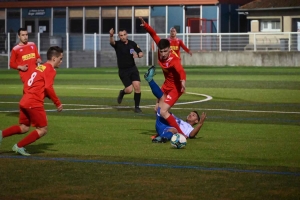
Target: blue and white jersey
{"x":184,"y":126}
{"x":162,"y":126}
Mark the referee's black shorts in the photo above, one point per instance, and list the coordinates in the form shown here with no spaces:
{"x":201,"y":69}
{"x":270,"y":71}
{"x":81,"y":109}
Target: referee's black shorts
{"x":129,"y":75}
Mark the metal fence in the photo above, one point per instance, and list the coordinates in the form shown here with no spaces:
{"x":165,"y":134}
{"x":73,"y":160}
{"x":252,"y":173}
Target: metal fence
{"x":94,"y":50}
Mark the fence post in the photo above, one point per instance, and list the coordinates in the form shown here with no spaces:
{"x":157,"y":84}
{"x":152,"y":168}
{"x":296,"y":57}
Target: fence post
{"x":67,"y":49}
{"x":39,"y":42}
{"x":254,"y":42}
{"x":289,"y":41}
{"x":95,"y":50}
{"x":99,"y":42}
{"x":220,"y":42}
{"x":8,"y":50}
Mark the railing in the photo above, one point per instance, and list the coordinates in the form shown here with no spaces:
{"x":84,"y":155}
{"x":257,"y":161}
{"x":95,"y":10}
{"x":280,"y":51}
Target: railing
{"x":94,"y":50}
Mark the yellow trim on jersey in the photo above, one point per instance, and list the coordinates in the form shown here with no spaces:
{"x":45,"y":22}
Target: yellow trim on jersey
{"x":28,"y":56}
{"x":41,"y":68}
{"x":175,"y":53}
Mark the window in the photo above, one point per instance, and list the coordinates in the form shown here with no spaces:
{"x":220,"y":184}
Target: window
{"x":108,"y":19}
{"x":76,"y":25}
{"x":125,"y":24}
{"x":92,"y":20}
{"x":270,"y":25}
{"x":140,"y":12}
{"x":107,"y":24}
{"x":124,"y":19}
{"x":76,"y":20}
{"x":59,"y":13}
{"x":13,"y":14}
{"x":92,"y":26}
{"x":192,"y":19}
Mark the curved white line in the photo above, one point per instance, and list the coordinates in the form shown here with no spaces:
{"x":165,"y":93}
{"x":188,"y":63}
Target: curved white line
{"x":208,"y":98}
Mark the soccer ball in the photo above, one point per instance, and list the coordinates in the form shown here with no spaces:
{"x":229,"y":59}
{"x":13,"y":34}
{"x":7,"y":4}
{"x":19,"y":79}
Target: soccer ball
{"x":178,"y":141}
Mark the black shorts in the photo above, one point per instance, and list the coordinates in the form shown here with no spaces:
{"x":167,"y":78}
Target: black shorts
{"x":127,"y":76}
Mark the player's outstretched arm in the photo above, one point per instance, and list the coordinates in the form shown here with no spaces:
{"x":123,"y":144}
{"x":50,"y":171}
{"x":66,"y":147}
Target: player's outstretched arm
{"x":150,"y":30}
{"x":198,"y":126}
{"x":182,"y":45}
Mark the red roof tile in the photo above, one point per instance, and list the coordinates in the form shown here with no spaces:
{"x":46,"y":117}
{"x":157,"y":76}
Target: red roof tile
{"x":260,"y":4}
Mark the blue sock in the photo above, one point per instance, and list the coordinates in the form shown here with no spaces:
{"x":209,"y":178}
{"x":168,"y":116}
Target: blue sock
{"x":155,"y":89}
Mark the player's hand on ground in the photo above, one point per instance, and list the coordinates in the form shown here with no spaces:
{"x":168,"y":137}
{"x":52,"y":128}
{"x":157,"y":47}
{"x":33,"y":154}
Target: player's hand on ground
{"x":60,"y":108}
{"x":191,"y":53}
{"x":23,"y":68}
{"x":182,"y":85}
{"x":142,"y":21}
{"x":111,"y":32}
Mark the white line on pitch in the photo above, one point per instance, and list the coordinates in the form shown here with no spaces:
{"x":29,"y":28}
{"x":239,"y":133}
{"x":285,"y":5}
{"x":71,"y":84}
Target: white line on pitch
{"x":151,"y":106}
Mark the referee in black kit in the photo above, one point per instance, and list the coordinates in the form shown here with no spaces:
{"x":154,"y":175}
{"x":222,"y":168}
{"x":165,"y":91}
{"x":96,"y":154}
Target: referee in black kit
{"x":126,"y":51}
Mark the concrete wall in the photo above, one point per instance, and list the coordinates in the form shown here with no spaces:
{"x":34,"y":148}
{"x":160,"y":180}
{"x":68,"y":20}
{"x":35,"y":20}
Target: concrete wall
{"x":288,"y":59}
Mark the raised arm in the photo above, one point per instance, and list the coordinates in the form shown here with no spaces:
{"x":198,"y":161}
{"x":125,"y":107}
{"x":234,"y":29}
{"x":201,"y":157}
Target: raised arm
{"x":150,"y":30}
{"x":111,"y":37}
{"x":198,"y":126}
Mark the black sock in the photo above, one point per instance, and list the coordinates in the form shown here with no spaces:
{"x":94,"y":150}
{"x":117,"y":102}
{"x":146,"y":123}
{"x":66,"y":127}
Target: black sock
{"x":137,"y":99}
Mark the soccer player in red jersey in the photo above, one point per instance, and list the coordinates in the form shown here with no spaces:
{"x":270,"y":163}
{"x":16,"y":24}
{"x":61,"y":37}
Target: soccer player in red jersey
{"x":24,"y":54}
{"x":176,"y":43}
{"x":175,"y":77}
{"x":38,"y":84}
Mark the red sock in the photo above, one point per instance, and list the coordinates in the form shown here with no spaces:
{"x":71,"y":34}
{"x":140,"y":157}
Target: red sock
{"x":172,"y":122}
{"x":32,"y":137}
{"x":11,"y":131}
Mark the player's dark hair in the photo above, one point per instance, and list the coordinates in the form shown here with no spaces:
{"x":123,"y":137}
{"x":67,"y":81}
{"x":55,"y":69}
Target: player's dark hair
{"x":122,"y":29}
{"x":54,"y":51}
{"x":163,"y":43}
{"x":21,"y":29}
{"x":198,"y":117}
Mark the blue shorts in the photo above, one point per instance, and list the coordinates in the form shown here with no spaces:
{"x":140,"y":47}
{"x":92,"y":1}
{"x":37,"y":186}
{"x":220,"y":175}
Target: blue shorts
{"x":162,"y":126}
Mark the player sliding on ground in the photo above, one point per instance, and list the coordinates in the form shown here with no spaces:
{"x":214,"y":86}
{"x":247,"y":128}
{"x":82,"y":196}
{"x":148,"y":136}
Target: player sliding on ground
{"x":175,"y":77}
{"x":190,"y":127}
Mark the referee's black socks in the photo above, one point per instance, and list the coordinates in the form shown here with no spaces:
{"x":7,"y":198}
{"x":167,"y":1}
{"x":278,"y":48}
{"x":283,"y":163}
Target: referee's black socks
{"x":137,"y":99}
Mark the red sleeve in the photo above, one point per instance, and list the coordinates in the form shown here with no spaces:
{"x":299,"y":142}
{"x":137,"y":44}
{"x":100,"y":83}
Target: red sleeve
{"x":49,"y":90}
{"x":12,"y":62}
{"x":152,"y":32}
{"x":184,"y":47}
{"x":178,"y":67}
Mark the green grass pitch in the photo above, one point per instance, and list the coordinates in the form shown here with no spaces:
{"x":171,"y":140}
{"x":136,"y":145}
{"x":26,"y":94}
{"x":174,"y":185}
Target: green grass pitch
{"x":248,"y":147}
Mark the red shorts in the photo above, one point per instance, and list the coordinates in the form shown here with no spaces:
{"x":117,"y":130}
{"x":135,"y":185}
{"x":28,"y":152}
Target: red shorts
{"x":33,"y":116}
{"x":172,"y":96}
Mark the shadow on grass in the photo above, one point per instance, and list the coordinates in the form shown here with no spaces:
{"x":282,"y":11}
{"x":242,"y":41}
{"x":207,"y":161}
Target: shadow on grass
{"x":146,"y":132}
{"x":40,"y":148}
{"x":34,"y":149}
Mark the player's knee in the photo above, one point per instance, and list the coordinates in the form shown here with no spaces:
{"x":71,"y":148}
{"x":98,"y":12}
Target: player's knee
{"x":42,"y":131}
{"x":128,"y":90}
{"x":24,"y":128}
{"x":163,"y":113}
